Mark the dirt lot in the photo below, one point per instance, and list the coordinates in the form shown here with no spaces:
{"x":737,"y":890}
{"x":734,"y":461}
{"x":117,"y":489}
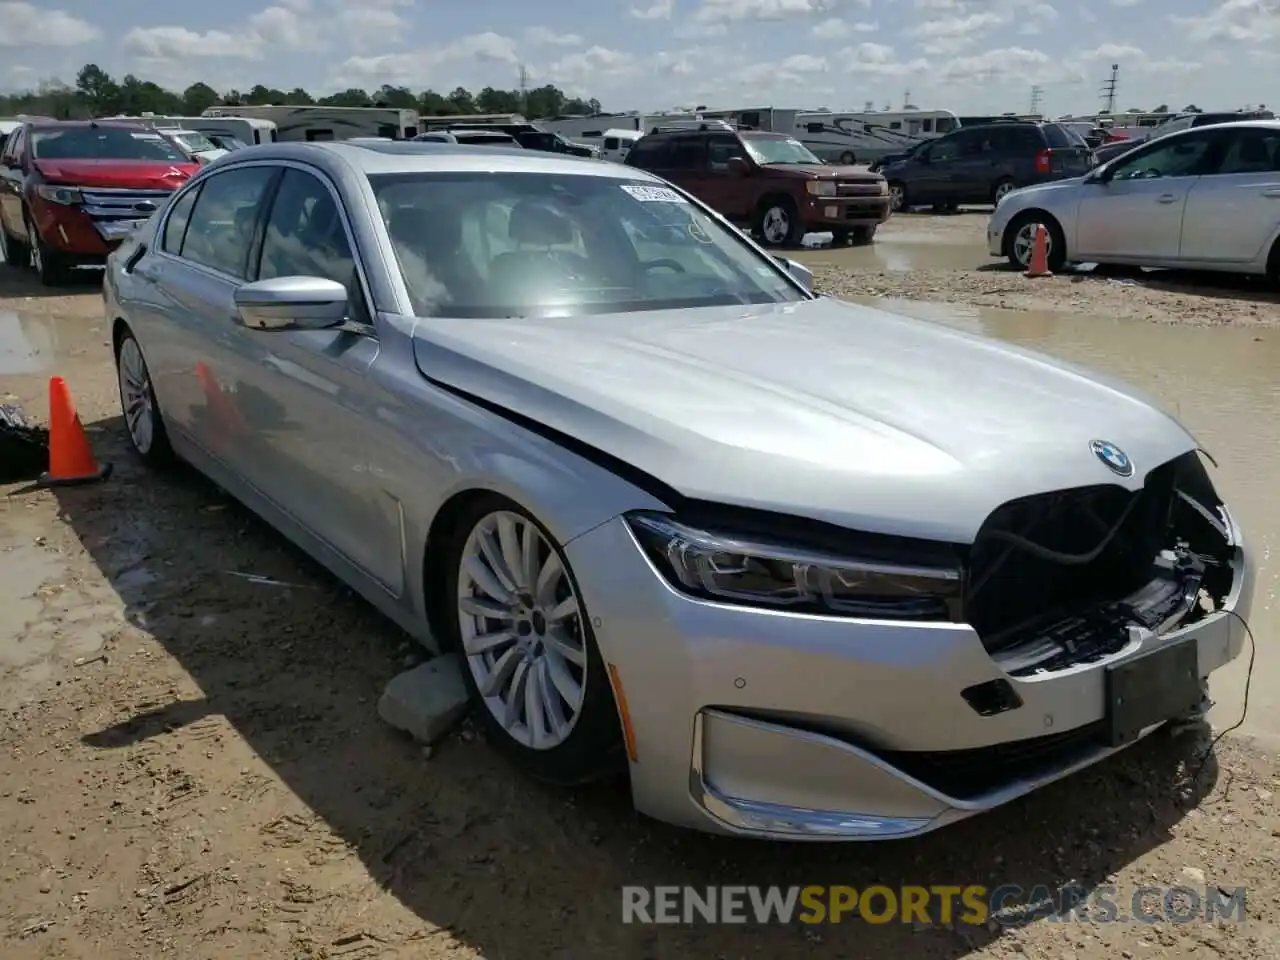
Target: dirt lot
{"x":944,"y":258}
{"x":191,"y":764}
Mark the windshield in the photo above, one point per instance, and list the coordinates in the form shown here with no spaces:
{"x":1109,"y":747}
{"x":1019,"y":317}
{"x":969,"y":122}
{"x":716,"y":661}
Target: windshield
{"x":195,"y":142}
{"x":227,"y":142}
{"x":103,"y":143}
{"x":502,"y":245}
{"x":767,"y":150}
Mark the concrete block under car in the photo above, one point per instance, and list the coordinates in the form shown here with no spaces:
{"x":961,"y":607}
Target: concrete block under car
{"x":426,"y":701}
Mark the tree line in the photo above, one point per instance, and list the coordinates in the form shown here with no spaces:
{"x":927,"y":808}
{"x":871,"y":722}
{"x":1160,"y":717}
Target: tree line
{"x":97,"y":94}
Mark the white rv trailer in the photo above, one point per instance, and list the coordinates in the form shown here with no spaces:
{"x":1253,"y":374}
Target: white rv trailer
{"x":613,"y":144}
{"x":247,"y":130}
{"x":865,"y":137}
{"x":445,"y":121}
{"x":328,"y":123}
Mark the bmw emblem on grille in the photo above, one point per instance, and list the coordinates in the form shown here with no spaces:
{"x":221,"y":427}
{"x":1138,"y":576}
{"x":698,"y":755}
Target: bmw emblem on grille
{"x":1112,"y":457}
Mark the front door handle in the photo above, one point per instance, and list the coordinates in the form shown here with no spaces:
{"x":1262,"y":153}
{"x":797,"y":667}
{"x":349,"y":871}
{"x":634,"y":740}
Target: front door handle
{"x":1167,"y":198}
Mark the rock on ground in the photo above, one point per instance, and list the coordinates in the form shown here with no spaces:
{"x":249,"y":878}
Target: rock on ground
{"x":426,"y":701}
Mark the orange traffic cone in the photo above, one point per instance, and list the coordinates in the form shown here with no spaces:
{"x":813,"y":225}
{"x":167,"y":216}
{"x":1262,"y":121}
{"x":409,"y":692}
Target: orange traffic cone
{"x":71,"y":461}
{"x":1040,"y":254}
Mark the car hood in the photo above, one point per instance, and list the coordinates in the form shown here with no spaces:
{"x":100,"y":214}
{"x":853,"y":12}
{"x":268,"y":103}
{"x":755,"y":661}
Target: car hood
{"x":820,"y":409}
{"x":1040,"y":189}
{"x":117,"y":173}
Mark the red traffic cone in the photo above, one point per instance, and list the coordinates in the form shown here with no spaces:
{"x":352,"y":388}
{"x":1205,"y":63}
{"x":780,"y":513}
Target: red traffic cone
{"x":1040,"y":254}
{"x":71,"y":460}
{"x":222,"y":408}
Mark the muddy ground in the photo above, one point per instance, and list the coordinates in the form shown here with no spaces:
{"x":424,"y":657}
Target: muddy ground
{"x":944,"y":258}
{"x":191,"y":764}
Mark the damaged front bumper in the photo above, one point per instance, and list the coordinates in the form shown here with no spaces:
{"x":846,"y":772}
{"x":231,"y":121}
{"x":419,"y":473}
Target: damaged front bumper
{"x":786,"y":726}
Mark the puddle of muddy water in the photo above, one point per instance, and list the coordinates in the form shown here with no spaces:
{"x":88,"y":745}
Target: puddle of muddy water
{"x":1222,"y":383}
{"x":23,"y":347}
{"x":898,"y":253}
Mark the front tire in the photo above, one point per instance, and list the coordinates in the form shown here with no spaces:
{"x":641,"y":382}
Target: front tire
{"x":1020,"y":235}
{"x":529,"y":658}
{"x":861,"y":235}
{"x":142,"y":418}
{"x":778,"y":223}
{"x":48,"y":263}
{"x":848,"y":159}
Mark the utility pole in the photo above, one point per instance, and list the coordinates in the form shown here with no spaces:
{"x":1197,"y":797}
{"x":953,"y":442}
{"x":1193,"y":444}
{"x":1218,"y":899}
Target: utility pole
{"x":1037,"y":95}
{"x":906,"y":100}
{"x":1109,"y":88}
{"x":524,"y":91}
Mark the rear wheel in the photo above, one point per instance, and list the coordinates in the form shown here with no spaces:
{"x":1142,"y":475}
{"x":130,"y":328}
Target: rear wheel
{"x":13,"y":251}
{"x":1002,"y":189}
{"x":138,"y":403}
{"x":1273,"y":266}
{"x":897,"y":196}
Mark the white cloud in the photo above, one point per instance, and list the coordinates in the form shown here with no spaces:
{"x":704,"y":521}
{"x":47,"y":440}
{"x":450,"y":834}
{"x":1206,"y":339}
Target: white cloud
{"x":659,"y":10}
{"x":175,"y":43}
{"x":591,"y":68}
{"x":1247,"y":21}
{"x":544,"y":37}
{"x":734,"y":11}
{"x":24,"y":24}
{"x":835,"y":28}
{"x":419,"y":68}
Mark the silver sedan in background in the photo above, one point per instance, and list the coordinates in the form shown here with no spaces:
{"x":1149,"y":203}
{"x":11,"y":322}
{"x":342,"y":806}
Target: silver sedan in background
{"x":805,"y":569}
{"x":1206,"y":198}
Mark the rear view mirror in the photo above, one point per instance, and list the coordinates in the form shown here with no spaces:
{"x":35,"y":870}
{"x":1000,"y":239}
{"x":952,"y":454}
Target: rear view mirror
{"x":799,"y":272}
{"x":739,"y":166}
{"x":298,"y":303}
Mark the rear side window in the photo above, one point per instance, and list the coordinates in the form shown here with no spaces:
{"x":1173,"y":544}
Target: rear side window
{"x":1059,"y":136}
{"x":175,"y":228}
{"x":689,"y":153}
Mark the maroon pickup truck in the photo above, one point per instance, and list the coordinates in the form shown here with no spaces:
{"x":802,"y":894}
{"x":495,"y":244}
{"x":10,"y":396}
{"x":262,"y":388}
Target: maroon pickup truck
{"x":70,"y":191}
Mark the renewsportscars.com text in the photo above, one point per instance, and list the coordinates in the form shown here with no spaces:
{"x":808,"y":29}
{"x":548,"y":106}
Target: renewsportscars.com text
{"x":1008,"y":904}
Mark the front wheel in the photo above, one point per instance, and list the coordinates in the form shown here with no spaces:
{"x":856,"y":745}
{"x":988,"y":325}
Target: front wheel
{"x":1020,"y":240}
{"x":530,"y":661}
{"x":897,"y":197}
{"x":861,"y":235}
{"x":47,"y":262}
{"x":848,"y":159}
{"x":778,"y":223}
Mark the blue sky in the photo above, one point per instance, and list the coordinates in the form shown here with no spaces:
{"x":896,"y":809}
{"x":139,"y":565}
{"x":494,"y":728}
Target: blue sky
{"x":965,"y":55}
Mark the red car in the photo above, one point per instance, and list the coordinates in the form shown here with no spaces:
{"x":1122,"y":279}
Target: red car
{"x":70,"y":191}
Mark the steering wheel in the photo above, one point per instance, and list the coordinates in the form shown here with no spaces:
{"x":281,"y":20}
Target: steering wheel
{"x":663,"y":265}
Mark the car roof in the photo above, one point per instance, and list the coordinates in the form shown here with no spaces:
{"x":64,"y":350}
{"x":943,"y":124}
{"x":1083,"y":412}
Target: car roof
{"x":425,"y":156}
{"x":1232,"y":124}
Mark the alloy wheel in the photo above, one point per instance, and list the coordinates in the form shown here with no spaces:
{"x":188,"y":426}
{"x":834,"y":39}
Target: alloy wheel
{"x":519,"y":618}
{"x":1024,"y":242}
{"x":1003,"y":190}
{"x":776,"y":225}
{"x":135,"y":396}
{"x":33,"y":241}
{"x":895,"y":197}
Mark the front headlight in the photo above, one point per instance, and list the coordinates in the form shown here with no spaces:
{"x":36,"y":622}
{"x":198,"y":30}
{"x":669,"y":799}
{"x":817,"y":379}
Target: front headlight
{"x":821,"y":188}
{"x":67,"y":196}
{"x":714,"y":565}
{"x":884,"y":188}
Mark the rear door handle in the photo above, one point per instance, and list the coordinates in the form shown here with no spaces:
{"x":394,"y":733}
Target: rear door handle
{"x":1167,"y":198}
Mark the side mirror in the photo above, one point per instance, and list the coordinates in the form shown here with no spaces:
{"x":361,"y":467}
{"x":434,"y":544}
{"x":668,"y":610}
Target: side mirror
{"x":297,"y":303}
{"x":1101,"y":174}
{"x":799,"y":272}
{"x":739,"y":167}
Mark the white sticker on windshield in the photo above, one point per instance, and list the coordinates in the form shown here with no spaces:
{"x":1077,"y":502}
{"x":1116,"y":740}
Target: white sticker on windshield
{"x":653,"y":194}
{"x":146,"y":136}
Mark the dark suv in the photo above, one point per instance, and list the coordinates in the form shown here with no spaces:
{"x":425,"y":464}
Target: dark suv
{"x":981,"y":164}
{"x":769,"y":182}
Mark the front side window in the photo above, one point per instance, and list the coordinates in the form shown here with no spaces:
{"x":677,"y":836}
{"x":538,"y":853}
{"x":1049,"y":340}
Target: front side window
{"x":771,"y":150}
{"x":103,"y":143}
{"x":943,"y":150}
{"x":305,"y":235}
{"x":721,"y":149}
{"x":1179,"y":157}
{"x":220,"y":230}
{"x":476,"y":245}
